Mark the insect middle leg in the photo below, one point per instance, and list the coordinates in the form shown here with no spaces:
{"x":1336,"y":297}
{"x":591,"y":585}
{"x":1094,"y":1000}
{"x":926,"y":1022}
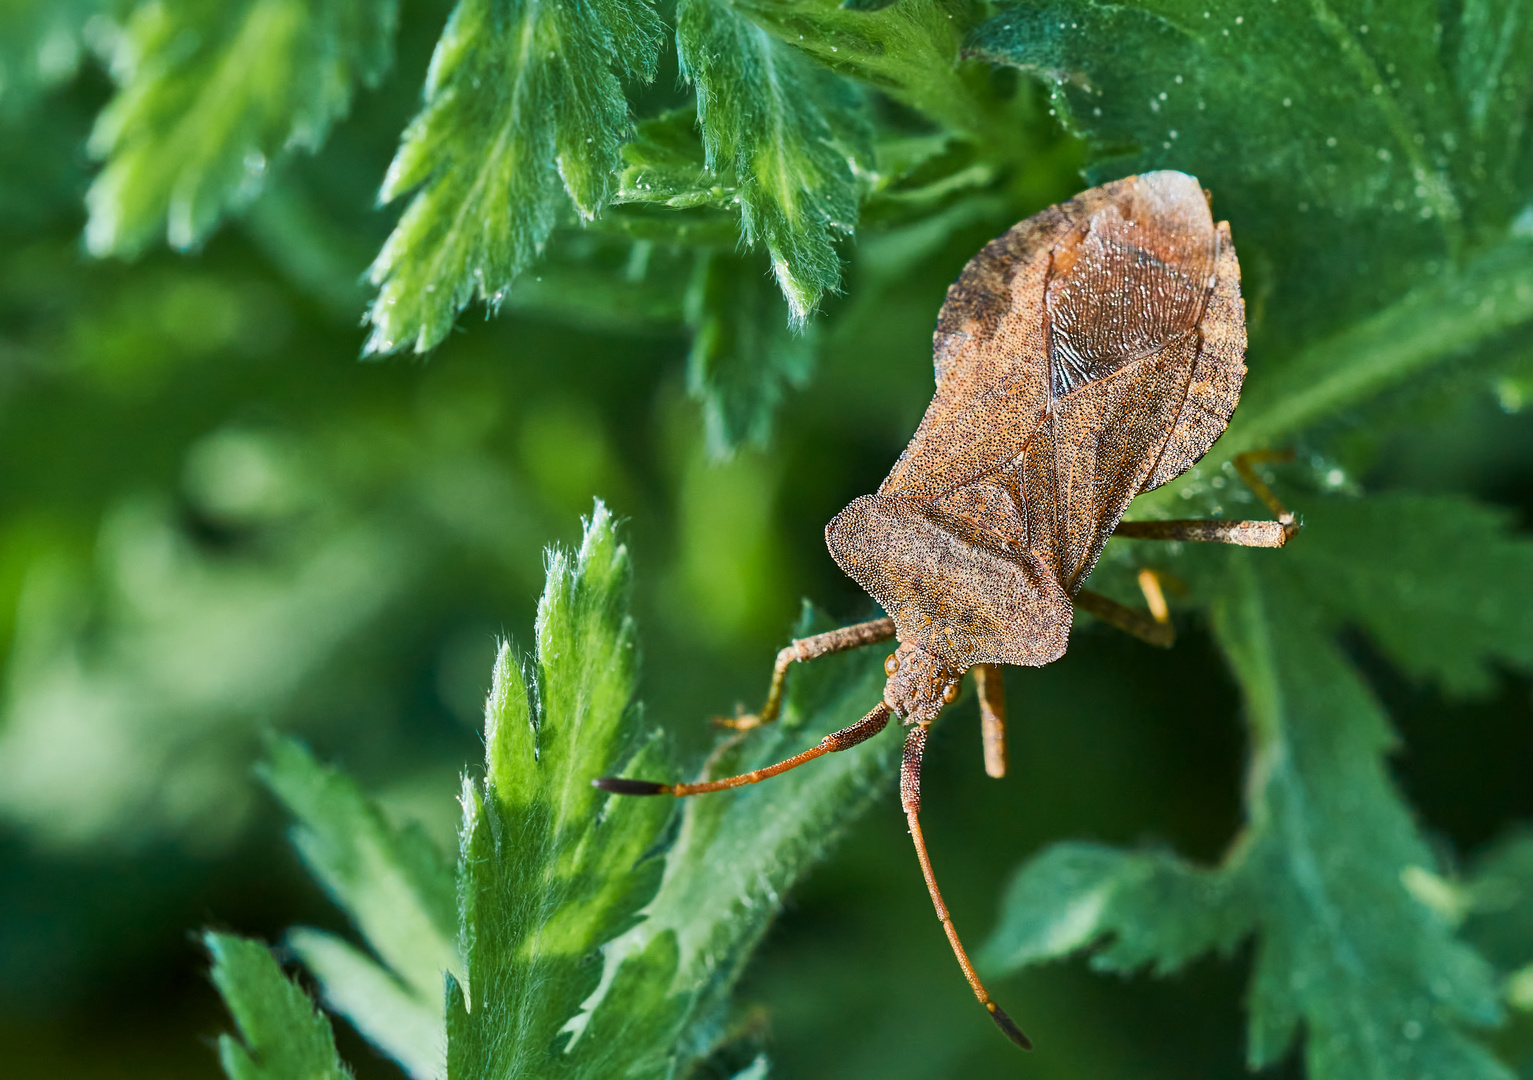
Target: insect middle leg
{"x":1269,"y":534}
{"x":809,"y":648}
{"x":1154,"y":626}
{"x":991,"y":692}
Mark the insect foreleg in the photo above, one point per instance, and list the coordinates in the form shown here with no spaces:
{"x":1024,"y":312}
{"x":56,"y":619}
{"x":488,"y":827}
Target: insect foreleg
{"x":844,"y":739}
{"x":910,"y":802}
{"x":809,"y":648}
{"x":992,"y":716}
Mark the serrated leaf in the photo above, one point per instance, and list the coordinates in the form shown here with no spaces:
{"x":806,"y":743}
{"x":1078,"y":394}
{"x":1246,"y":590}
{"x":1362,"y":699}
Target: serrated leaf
{"x":282,"y":1034}
{"x":399,"y":892}
{"x":389,"y":1014}
{"x":1440,"y":583}
{"x":907,"y":50}
{"x":743,"y":357}
{"x":789,"y":130}
{"x":211,"y":97}
{"x":552,"y":868}
{"x":737,"y":854}
{"x":1333,"y":137}
{"x":523,"y":121}
{"x":1319,"y":874}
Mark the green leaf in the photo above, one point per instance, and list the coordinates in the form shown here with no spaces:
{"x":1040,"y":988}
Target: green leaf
{"x":1499,"y":886}
{"x":743,"y":356}
{"x":399,"y":892}
{"x":552,"y":868}
{"x":211,"y":96}
{"x":907,"y":50}
{"x":1440,"y":583}
{"x":282,"y":1034}
{"x":41,"y":42}
{"x":1319,"y":875}
{"x":523,"y":121}
{"x":789,"y":130}
{"x":1336,"y":138}
{"x":737,"y":854}
{"x":389,"y":1014}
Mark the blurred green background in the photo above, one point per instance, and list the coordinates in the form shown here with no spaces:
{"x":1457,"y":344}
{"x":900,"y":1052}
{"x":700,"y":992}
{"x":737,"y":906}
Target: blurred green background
{"x":215,"y":520}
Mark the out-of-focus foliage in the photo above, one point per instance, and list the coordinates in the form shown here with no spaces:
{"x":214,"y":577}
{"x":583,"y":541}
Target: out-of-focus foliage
{"x":214,"y":522}
{"x":211,"y":95}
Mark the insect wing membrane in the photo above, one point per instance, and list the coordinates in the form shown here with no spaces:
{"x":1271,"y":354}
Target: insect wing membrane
{"x":1133,"y":282}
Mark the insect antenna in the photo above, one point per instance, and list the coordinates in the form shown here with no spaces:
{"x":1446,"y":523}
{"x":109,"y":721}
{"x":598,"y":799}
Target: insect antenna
{"x":910,"y":800}
{"x":845,"y":739}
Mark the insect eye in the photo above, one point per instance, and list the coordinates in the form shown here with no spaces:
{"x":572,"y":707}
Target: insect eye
{"x":950,"y":693}
{"x":892,"y":664}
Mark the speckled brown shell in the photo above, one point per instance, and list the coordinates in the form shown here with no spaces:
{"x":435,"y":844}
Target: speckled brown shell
{"x":1093,"y":352}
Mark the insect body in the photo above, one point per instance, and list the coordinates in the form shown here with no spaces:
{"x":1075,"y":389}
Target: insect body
{"x":1090,"y":354}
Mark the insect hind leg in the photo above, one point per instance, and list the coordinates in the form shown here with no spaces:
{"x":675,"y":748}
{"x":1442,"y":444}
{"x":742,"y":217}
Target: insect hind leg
{"x":1267,"y":534}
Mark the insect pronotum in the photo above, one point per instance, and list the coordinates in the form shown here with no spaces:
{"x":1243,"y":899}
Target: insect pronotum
{"x":1093,"y":352}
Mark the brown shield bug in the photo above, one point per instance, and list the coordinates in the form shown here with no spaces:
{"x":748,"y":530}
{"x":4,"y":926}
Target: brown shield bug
{"x":1092,"y":353}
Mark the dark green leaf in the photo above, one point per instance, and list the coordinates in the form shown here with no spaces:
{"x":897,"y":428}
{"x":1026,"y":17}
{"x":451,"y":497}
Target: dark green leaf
{"x":1320,"y":874}
{"x":743,"y":356}
{"x":523,"y":122}
{"x":41,"y":42}
{"x":1441,"y":584}
{"x":1331,"y":136}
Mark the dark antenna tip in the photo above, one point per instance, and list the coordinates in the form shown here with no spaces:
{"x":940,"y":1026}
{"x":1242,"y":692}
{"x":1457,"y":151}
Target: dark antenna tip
{"x":1008,"y":1026}
{"x":619,"y":786}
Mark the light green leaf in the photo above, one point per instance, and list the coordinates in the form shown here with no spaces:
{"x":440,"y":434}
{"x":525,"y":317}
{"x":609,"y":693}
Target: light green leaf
{"x":1319,"y":874}
{"x":282,"y":1034}
{"x":390,"y":1015}
{"x":211,"y":97}
{"x":523,"y":121}
{"x":399,"y":892}
{"x":743,"y":356}
{"x":789,"y":130}
{"x":739,"y":853}
{"x":552,"y":868}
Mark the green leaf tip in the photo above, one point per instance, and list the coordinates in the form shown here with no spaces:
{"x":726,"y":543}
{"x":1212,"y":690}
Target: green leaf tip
{"x":789,"y":130}
{"x":211,"y":97}
{"x":523,"y":121}
{"x":282,"y":1034}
